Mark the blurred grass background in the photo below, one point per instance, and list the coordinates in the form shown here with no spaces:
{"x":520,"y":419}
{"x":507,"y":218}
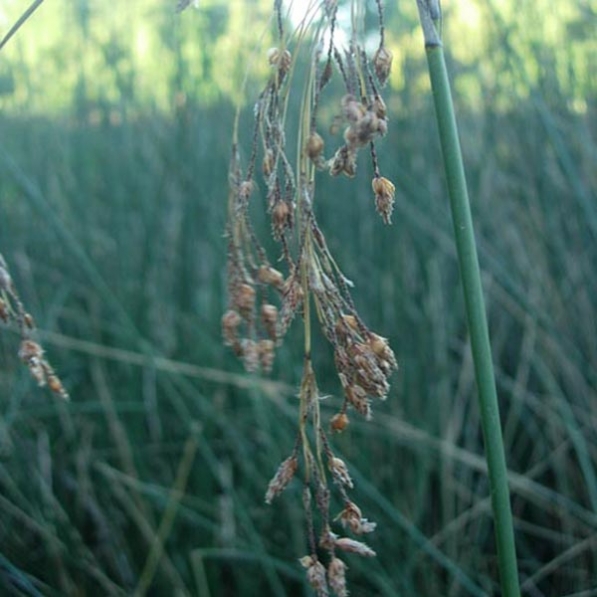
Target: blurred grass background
{"x":115,"y":127}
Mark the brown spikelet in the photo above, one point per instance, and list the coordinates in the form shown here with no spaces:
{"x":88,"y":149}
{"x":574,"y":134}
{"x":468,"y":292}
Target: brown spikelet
{"x":283,"y":476}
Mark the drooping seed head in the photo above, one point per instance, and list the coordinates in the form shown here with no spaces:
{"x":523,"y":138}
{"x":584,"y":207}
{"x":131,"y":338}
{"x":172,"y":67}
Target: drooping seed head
{"x":231,"y":320}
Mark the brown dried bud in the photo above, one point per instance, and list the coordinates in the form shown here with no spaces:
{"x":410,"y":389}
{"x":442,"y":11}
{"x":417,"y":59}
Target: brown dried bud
{"x":244,"y":299}
{"x":384,"y":197}
{"x":382,"y":63}
{"x":339,"y":422}
{"x":337,"y":577}
{"x":269,"y":275}
{"x":245,"y":189}
{"x":352,"y":546}
{"x":280,"y":60}
{"x":29,"y":321}
{"x":266,"y":354}
{"x":281,"y":218}
{"x":283,"y":476}
{"x":315,"y":575}
{"x":353,"y":109}
{"x":269,"y":161}
{"x":249,"y":351}
{"x":30,"y":350}
{"x":230,"y":322}
{"x":339,"y":471}
{"x":352,"y":518}
{"x":269,"y":317}
{"x":57,"y":388}
{"x":314,"y":146}
{"x":382,"y":350}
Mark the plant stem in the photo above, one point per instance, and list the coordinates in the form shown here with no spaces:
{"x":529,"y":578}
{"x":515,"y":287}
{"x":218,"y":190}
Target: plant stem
{"x":474,"y":302}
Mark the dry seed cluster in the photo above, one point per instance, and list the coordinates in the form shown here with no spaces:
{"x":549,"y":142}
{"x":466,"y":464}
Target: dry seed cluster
{"x":30,"y":352}
{"x":263,"y":301}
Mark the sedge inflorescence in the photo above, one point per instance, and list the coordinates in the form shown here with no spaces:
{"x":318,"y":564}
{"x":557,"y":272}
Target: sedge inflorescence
{"x":30,"y":351}
{"x":265,"y":298}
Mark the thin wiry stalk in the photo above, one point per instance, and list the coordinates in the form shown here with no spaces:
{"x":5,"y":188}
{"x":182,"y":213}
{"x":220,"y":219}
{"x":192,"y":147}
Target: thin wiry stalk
{"x":474,"y":302}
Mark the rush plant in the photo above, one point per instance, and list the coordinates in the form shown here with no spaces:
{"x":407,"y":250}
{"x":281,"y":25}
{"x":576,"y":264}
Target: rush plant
{"x":310,"y":285}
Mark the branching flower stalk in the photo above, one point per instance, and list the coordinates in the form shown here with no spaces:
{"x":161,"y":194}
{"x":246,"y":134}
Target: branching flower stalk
{"x":12,"y":312}
{"x":429,"y":12}
{"x":264,"y":300}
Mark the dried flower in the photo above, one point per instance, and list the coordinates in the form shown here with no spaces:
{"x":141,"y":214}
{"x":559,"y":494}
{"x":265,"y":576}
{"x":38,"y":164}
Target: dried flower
{"x":384,"y":197}
{"x":244,"y":299}
{"x":314,"y":146}
{"x":271,"y":276}
{"x":269,"y":317}
{"x":339,"y":422}
{"x":339,"y":471}
{"x":357,"y":547}
{"x":352,"y":519}
{"x":315,"y":575}
{"x":230,"y":323}
{"x":382,"y":63}
{"x":337,"y":577}
{"x":281,"y":479}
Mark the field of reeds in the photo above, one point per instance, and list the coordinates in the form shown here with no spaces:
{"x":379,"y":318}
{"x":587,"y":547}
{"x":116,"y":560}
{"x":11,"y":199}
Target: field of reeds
{"x":113,"y":206}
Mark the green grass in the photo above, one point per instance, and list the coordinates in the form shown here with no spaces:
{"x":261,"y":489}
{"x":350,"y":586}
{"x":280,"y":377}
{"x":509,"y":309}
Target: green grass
{"x":114,"y":234}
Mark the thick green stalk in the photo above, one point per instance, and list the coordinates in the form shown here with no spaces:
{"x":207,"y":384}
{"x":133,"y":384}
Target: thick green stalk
{"x":474,"y":302}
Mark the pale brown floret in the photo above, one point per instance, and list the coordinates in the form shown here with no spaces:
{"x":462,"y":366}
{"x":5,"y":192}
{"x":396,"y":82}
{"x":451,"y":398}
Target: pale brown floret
{"x":352,"y":546}
{"x":339,"y":471}
{"x":384,"y":197}
{"x":382,"y":63}
{"x":281,"y":218}
{"x":352,"y":519}
{"x":314,"y":146}
{"x":266,"y":349}
{"x":271,"y":276}
{"x":244,"y":299}
{"x":316,"y":575}
{"x":249,"y":351}
{"x":231,"y":321}
{"x":281,"y":479}
{"x":339,"y":422}
{"x":269,"y":317}
{"x":337,"y":577}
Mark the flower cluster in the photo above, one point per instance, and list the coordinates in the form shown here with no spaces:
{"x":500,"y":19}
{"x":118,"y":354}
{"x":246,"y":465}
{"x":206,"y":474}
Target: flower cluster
{"x":31,"y":353}
{"x":263,"y":300}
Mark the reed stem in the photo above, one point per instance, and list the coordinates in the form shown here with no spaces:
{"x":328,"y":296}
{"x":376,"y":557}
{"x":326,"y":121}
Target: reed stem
{"x":474,"y":302}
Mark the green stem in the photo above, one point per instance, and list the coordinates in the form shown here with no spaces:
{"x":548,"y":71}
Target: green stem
{"x":475,"y":307}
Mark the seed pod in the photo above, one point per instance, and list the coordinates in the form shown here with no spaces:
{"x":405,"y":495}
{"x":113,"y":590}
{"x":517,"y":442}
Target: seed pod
{"x":382,"y":63}
{"x":272,"y":277}
{"x":384,"y":197}
{"x":269,"y":161}
{"x":281,"y":479}
{"x":314,"y":146}
{"x":281,"y":218}
{"x":244,"y":299}
{"x":230,"y":322}
{"x":339,"y":422}
{"x":266,"y":354}
{"x":269,"y":317}
{"x":337,"y":577}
